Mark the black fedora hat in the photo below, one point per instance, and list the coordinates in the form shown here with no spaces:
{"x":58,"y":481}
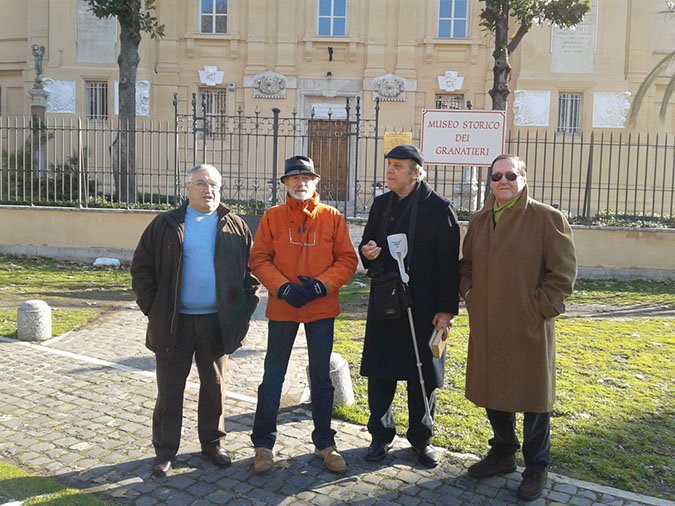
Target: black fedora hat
{"x":406,"y":152}
{"x":299,"y":164}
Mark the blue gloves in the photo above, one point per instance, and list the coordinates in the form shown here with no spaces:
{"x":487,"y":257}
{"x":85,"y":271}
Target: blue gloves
{"x":296,"y":295}
{"x":313,"y":286}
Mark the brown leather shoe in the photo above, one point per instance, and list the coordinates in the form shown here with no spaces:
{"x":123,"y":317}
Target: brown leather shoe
{"x":263,"y":459}
{"x":493,"y":463}
{"x":217,"y":455}
{"x":161,"y":466}
{"x":331,"y":459}
{"x":533,"y":483}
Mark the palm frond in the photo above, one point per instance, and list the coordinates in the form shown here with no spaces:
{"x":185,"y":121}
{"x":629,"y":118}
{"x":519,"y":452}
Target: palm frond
{"x":649,"y":79}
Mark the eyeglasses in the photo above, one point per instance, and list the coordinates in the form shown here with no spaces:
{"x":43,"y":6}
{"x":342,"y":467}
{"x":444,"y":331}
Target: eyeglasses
{"x":202,"y":185}
{"x":298,"y":235}
{"x":497,"y":176}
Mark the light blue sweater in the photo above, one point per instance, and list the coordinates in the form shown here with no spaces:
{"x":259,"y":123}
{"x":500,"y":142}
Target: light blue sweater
{"x":198,"y":285}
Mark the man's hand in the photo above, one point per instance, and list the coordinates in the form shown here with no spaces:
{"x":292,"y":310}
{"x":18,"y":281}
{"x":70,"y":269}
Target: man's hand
{"x":443,"y":322}
{"x":296,"y":295}
{"x":371,"y":250}
{"x":315,"y":287}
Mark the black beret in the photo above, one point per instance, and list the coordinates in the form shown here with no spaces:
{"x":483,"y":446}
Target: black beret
{"x":406,"y":152}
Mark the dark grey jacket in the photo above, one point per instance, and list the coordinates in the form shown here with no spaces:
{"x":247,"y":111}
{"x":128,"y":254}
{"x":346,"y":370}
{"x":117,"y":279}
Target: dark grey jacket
{"x":156,"y":278}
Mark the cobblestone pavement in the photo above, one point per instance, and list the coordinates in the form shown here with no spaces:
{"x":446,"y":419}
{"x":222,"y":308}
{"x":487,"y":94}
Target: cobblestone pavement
{"x":78,"y":408}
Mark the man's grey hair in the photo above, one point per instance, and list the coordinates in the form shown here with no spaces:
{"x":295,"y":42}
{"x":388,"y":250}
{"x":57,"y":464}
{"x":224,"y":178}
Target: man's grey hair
{"x":197,"y":168}
{"x":414,"y":166}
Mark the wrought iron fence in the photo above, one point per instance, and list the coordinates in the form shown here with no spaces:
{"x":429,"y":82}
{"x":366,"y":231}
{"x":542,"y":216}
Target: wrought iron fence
{"x":78,"y":163}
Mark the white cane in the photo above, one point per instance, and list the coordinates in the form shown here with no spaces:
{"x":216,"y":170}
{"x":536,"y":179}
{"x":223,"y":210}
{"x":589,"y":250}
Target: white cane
{"x":398,"y":247}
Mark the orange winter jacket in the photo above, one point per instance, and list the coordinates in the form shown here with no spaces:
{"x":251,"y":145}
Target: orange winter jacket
{"x":303,"y":238}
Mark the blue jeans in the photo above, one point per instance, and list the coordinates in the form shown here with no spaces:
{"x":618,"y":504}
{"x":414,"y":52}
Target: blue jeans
{"x":280,"y":339}
{"x":536,"y":436}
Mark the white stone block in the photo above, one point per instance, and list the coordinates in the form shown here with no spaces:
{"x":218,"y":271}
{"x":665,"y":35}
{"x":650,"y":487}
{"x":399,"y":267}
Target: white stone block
{"x":34,"y":321}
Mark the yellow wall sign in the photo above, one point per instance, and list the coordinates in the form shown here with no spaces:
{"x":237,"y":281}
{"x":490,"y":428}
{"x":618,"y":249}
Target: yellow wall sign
{"x":393,"y":139}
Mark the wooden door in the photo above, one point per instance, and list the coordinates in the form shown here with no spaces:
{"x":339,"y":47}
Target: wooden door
{"x":328,"y":147}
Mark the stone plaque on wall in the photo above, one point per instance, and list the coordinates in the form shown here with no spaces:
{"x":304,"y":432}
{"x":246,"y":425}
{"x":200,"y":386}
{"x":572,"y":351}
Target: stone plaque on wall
{"x":531,"y":108}
{"x":95,"y":38}
{"x":610,"y":109}
{"x":573,"y":49}
{"x":60,"y":95}
{"x":142,"y":98}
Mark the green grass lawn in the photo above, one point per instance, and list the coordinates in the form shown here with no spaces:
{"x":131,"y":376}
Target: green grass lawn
{"x":19,"y":485}
{"x":614,"y":421}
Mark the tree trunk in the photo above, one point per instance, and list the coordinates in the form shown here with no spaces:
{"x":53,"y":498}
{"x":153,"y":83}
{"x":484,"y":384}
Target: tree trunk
{"x":124,"y":170}
{"x":502,"y":69}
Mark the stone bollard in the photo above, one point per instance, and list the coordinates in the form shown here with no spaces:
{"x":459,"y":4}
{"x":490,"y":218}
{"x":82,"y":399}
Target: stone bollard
{"x":341,"y":380}
{"x":34,"y":321}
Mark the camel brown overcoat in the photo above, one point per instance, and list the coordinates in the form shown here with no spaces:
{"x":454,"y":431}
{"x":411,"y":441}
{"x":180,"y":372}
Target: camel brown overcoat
{"x":514,"y":278}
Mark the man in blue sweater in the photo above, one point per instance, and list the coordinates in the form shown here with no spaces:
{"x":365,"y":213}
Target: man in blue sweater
{"x":191,"y":278}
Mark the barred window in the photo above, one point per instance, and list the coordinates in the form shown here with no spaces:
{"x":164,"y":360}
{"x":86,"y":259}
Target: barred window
{"x":449,"y":101}
{"x":213,"y":16}
{"x":332,"y":19}
{"x":569,"y":112}
{"x":96,"y":100}
{"x":452,"y":16}
{"x":212,"y":105}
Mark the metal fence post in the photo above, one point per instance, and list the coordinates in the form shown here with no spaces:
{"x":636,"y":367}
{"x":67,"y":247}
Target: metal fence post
{"x":589,"y":179}
{"x":176,"y":170}
{"x":377,"y":138}
{"x":356,"y":154}
{"x":275,"y":151}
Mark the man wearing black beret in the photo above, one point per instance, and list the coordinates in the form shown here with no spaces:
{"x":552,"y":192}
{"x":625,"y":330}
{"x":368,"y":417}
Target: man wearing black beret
{"x":430,"y":223}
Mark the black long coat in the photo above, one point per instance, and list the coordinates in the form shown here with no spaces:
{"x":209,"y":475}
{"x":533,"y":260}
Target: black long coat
{"x":388,"y":351}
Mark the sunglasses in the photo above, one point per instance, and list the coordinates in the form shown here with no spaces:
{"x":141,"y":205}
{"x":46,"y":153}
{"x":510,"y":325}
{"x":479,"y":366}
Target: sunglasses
{"x":497,"y":176}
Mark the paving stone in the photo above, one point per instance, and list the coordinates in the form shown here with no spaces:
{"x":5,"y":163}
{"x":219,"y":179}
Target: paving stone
{"x":558,"y":497}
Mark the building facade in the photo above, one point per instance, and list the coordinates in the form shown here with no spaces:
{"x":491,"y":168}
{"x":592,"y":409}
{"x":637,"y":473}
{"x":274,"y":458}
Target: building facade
{"x":306,"y":56}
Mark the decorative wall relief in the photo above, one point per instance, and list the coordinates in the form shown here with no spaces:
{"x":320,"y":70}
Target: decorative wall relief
{"x":389,"y":87}
{"x":267,"y":85}
{"x":531,"y":108}
{"x":61,"y":96}
{"x":450,"y":81}
{"x":610,"y":109}
{"x":211,"y":76}
{"x":142,"y":98}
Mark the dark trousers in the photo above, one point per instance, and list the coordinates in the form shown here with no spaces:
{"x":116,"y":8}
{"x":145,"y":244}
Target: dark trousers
{"x":198,"y":336}
{"x":381,"y":424}
{"x":280,"y":339}
{"x":536,"y":436}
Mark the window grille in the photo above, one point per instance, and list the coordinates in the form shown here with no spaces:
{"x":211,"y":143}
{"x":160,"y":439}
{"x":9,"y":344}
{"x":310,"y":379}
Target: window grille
{"x":213,"y":111}
{"x":452,"y":16}
{"x":449,"y":101}
{"x":569,"y":112}
{"x":96,"y":103}
{"x":213,"y":16}
{"x":332,"y":19}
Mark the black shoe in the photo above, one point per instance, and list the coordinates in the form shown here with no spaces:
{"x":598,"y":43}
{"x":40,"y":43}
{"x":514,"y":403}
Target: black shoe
{"x":217,"y":455}
{"x":493,"y":463}
{"x":161,"y":466}
{"x":377,"y":450}
{"x":426,"y":455}
{"x":533,"y":483}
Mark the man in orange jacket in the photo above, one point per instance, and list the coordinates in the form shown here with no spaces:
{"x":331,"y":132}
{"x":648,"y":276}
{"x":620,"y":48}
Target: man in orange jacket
{"x":302,"y":253}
